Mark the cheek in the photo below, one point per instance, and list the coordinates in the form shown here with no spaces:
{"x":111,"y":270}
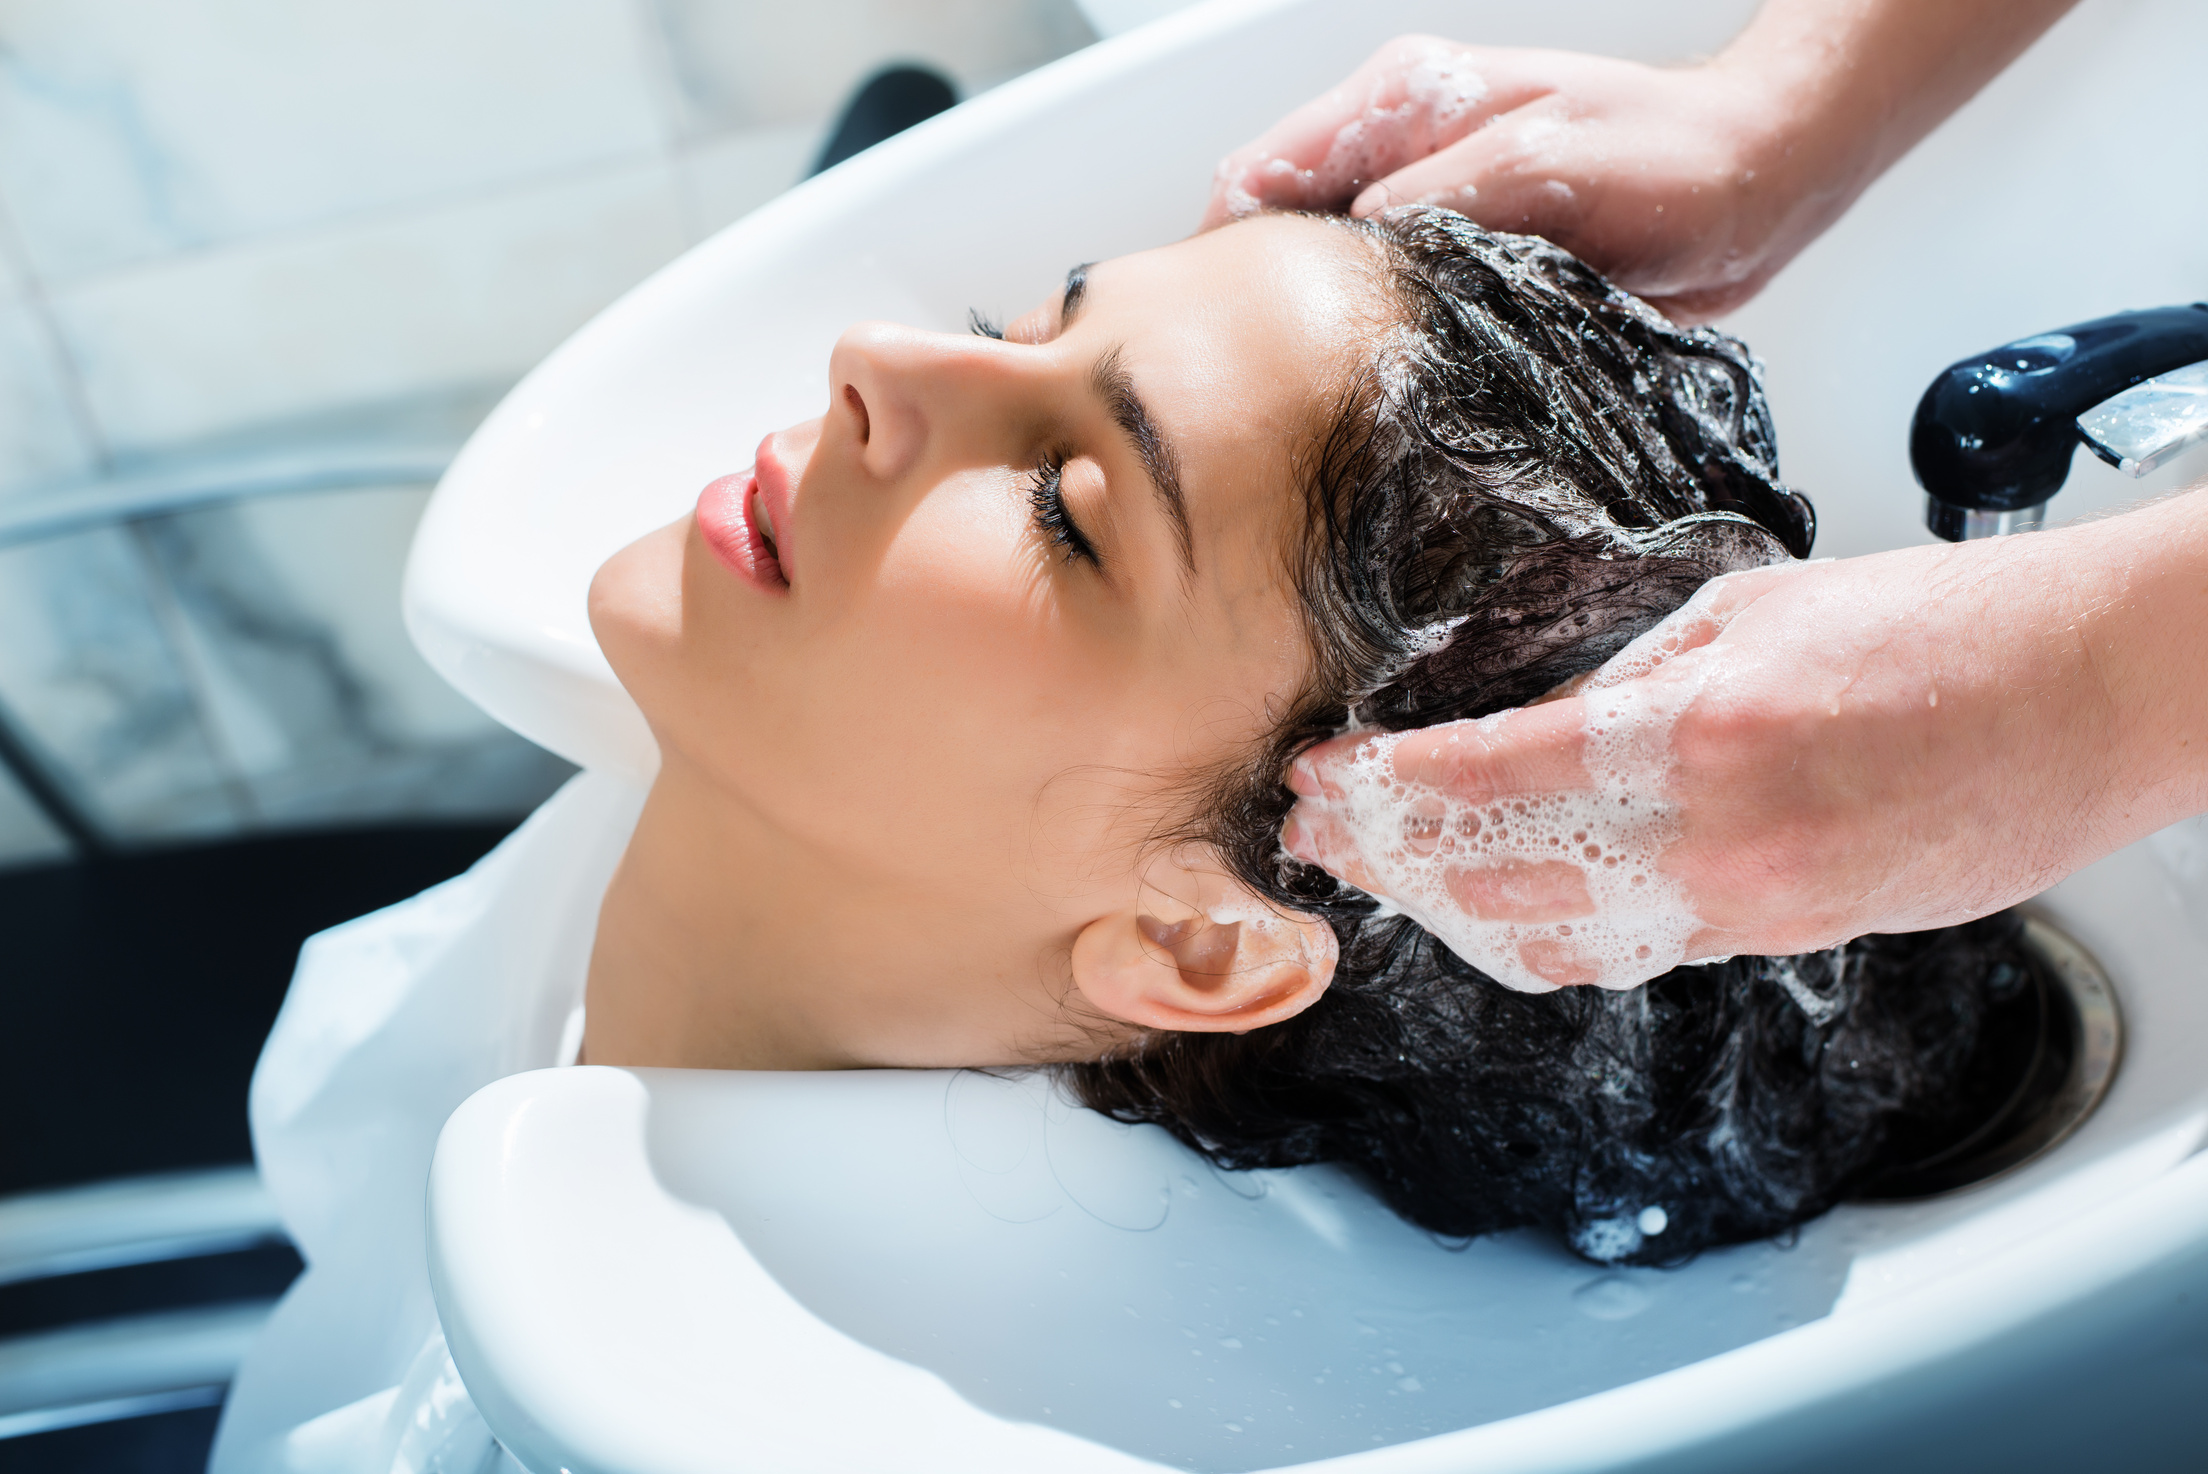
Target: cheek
{"x":938,"y":688}
{"x":975,"y":624}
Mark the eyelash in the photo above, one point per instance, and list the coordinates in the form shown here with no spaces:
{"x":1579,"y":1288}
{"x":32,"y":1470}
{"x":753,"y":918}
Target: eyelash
{"x":1046,"y":496}
{"x":1045,"y":487}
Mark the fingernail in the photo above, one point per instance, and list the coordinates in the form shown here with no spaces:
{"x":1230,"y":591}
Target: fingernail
{"x":1303,"y":777}
{"x":1295,"y":838}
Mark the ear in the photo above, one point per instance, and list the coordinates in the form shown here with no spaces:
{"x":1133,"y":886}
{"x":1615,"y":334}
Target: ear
{"x":1211,"y":959}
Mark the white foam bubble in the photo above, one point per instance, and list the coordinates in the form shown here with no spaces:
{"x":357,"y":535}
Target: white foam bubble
{"x":1426,"y":109}
{"x":1281,"y":938}
{"x":1542,"y":890}
{"x":1609,"y":1240}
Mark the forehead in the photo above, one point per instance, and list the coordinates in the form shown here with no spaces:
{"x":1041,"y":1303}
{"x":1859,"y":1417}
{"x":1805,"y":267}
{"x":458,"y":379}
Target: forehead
{"x":1241,"y":340}
{"x":1267,"y":309}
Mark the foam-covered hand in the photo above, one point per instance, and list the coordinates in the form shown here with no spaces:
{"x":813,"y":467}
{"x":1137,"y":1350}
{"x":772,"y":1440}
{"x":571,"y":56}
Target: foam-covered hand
{"x":1655,"y":176}
{"x":1802,"y":755}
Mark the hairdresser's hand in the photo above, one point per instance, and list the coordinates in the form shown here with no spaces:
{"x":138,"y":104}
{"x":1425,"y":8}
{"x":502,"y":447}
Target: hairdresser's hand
{"x":1651,"y":174}
{"x":1689,"y":185}
{"x":1887,"y":743}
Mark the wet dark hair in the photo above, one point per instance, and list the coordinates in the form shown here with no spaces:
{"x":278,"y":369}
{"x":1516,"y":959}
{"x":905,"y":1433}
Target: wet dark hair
{"x":1548,"y":464}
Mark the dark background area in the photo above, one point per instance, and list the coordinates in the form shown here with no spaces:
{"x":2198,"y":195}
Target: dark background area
{"x":135,"y":993}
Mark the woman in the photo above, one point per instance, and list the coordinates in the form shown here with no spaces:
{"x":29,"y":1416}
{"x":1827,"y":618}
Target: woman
{"x":975,"y":702}
{"x":1103,"y":575}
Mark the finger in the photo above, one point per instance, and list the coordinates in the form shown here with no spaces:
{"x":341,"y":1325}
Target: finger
{"x":1317,"y":772}
{"x":1503,"y":176}
{"x":1317,"y":837}
{"x":1558,"y":962}
{"x":1533,"y":749}
{"x":1414,"y":95}
{"x":1520,"y":890}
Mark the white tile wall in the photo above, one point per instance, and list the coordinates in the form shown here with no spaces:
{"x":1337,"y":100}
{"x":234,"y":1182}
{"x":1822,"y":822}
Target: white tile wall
{"x":42,"y":436}
{"x":40,"y":439}
{"x":744,"y":65}
{"x":383,"y":309}
{"x":131,"y":129}
{"x":223,"y":222}
{"x":244,"y":210}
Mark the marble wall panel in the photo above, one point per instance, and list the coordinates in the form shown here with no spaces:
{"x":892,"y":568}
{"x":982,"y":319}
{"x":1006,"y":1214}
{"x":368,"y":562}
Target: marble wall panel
{"x":25,"y":836}
{"x":746,"y":65}
{"x":467,"y":293}
{"x":41,"y":436}
{"x":131,"y":130}
{"x":288,"y":611}
{"x":91,"y":679}
{"x":221,"y":215}
{"x":12,"y":277}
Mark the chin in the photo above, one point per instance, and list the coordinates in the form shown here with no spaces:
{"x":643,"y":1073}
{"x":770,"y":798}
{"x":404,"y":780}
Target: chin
{"x":636,"y":606}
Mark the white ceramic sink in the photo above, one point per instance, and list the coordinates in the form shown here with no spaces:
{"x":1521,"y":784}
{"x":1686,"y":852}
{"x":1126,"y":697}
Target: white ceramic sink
{"x":675,"y":1271}
{"x":663,"y":1272}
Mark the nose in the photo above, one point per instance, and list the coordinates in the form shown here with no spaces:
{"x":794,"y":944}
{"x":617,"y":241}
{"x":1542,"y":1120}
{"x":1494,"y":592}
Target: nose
{"x":907,"y":396}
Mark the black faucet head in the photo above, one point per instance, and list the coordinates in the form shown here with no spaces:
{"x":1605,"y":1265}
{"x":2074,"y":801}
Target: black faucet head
{"x":1995,"y":432}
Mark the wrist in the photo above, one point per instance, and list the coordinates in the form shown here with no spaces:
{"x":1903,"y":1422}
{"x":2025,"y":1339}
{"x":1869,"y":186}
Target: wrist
{"x":1806,"y":140}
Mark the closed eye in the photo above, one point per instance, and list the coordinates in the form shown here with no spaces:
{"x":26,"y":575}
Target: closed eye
{"x":1046,"y":499}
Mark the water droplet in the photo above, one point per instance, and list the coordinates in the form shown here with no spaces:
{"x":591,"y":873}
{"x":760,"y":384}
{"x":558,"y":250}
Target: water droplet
{"x":1612,"y":1297}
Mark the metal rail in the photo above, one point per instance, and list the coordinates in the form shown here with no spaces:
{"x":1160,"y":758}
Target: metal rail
{"x":135,"y":1220}
{"x":130,"y":1366}
{"x":124,"y":1368}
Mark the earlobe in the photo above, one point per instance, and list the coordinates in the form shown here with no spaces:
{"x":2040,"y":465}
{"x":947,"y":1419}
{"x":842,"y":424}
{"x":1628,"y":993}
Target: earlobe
{"x":1233,"y":966}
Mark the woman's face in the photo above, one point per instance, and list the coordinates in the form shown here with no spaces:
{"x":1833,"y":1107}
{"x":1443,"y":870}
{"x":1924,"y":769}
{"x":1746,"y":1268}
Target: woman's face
{"x":961,"y":637}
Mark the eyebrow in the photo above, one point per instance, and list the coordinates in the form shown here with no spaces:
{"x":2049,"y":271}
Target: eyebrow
{"x":1116,"y":387}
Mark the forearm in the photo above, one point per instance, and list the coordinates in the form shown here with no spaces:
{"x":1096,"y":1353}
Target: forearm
{"x":2141,"y":604}
{"x":1849,"y":86}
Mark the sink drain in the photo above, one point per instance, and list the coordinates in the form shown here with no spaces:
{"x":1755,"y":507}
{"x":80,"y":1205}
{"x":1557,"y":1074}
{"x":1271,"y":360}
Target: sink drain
{"x":2070,"y":1056}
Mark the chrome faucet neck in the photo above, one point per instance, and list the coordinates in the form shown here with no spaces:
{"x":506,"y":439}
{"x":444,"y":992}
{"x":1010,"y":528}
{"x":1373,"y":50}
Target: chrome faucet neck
{"x":1964,"y":524}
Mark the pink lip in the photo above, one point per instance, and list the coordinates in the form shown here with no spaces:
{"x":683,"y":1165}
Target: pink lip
{"x":727,"y":523}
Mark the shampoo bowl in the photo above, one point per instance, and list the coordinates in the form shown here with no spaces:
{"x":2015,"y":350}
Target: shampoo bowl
{"x":665,"y":1272}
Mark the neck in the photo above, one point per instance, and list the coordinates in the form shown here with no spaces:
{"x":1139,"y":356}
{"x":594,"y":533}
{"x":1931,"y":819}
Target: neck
{"x":725,"y":943}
